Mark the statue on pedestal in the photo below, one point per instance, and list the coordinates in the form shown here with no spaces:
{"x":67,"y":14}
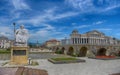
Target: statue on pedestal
{"x":21,"y":36}
{"x":19,"y":51}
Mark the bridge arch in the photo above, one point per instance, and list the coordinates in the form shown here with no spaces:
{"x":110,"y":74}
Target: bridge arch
{"x":101,"y":52}
{"x":62,"y":50}
{"x":70,"y":50}
{"x":82,"y":51}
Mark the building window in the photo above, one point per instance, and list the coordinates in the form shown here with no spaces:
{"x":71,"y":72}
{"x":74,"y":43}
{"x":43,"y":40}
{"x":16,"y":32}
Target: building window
{"x":75,"y":40}
{"x":87,"y":40}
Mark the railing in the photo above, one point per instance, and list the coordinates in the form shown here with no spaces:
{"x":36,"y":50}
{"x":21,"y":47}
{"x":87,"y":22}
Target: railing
{"x":94,"y":44}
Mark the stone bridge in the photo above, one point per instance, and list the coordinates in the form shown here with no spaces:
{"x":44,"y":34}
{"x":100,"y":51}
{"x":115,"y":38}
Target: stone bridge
{"x":83,"y":50}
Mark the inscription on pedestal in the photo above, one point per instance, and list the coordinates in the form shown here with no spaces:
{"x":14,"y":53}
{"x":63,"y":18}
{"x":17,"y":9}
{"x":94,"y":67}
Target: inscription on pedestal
{"x":19,"y":52}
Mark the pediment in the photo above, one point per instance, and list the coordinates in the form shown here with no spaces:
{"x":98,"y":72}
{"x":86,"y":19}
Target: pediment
{"x":95,"y":32}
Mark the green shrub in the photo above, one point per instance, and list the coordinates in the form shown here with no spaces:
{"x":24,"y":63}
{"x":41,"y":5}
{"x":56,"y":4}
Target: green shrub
{"x":75,"y":55}
{"x":4,"y":52}
{"x":58,"y":52}
{"x":63,"y":59}
{"x":8,"y":49}
{"x":34,"y":63}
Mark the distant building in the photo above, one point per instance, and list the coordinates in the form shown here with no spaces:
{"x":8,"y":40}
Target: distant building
{"x":52,"y":42}
{"x":4,"y":42}
{"x":65,"y":41}
{"x":94,"y":41}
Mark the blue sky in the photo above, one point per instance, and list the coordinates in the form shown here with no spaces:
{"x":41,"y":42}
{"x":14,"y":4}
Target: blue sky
{"x":48,"y":19}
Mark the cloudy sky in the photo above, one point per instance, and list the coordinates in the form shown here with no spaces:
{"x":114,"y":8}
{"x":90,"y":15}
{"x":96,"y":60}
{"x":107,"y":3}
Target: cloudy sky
{"x":48,"y":19}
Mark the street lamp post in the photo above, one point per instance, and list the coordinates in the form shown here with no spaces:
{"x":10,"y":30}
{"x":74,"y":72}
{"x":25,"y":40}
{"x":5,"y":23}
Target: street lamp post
{"x":14,"y":30}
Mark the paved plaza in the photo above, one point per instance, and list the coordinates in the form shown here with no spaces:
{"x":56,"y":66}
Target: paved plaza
{"x":91,"y":67}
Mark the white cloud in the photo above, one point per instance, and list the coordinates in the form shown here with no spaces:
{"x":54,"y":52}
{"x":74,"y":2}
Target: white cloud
{"x":112,"y":7}
{"x":13,"y":9}
{"x":86,"y":6}
{"x":48,"y":15}
{"x":48,"y":27}
{"x":6,"y":31}
{"x":81,"y":4}
{"x":46,"y":32}
{"x":20,"y":4}
{"x":65,"y":15}
{"x":81,"y":26}
{"x":73,"y":24}
{"x":43,"y":35}
{"x":98,"y":22}
{"x":104,"y":29}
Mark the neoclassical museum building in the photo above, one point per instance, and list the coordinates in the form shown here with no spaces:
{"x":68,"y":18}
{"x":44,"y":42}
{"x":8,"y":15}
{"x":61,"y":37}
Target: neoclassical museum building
{"x":93,"y":41}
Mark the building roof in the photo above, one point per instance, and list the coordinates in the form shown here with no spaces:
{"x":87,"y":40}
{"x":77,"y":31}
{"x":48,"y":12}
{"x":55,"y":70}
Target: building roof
{"x":75,"y":31}
{"x":53,"y":40}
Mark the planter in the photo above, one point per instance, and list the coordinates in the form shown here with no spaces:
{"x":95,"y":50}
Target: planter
{"x":104,"y":58}
{"x":66,"y":61}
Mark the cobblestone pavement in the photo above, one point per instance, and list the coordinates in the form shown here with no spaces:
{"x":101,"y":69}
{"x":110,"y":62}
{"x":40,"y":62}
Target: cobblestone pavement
{"x":90,"y":67}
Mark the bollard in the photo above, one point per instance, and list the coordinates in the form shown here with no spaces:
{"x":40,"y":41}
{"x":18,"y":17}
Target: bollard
{"x":29,"y":60}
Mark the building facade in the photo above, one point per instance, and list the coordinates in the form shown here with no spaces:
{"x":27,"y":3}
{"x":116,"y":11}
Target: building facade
{"x":93,"y":38}
{"x":93,"y":41}
{"x":52,"y":42}
{"x":5,"y":42}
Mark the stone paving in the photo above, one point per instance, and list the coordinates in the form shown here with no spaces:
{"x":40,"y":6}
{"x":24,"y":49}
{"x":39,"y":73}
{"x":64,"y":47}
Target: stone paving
{"x":115,"y":74}
{"x":91,"y":67}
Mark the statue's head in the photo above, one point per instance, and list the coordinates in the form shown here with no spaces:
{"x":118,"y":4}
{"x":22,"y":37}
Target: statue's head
{"x":22,"y":26}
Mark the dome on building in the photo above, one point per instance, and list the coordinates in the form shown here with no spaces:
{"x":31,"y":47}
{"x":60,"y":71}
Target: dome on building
{"x":75,"y":31}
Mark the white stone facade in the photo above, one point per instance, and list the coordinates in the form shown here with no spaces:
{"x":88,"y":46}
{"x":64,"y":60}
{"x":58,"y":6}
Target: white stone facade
{"x":92,"y":37}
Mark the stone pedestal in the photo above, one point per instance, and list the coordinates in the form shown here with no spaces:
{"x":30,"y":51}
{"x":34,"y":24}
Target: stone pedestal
{"x":19,"y":55}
